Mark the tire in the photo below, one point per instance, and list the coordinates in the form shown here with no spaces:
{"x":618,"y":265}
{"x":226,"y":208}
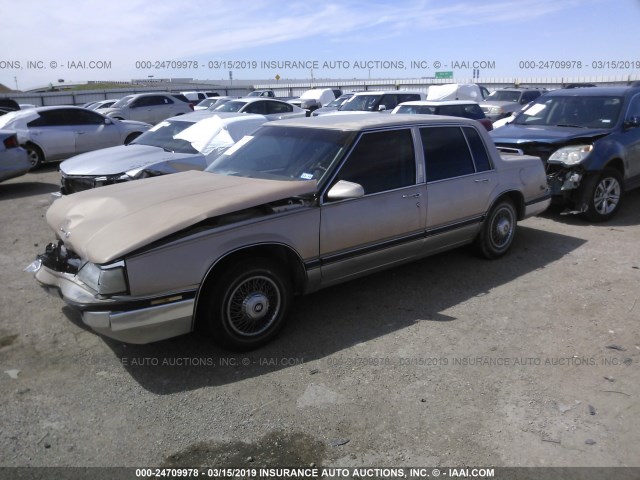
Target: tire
{"x":248,"y":304}
{"x":498,"y":230}
{"x":35,"y":155}
{"x":131,"y":137}
{"x":603,"y":195}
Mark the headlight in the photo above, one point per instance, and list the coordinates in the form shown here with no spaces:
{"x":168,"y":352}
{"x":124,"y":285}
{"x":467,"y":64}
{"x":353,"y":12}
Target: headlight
{"x":495,"y":110}
{"x":571,"y":155}
{"x":106,"y":280}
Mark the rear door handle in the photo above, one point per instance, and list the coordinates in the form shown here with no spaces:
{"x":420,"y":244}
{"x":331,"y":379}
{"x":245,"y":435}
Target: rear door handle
{"x":415,"y":195}
{"x":484,"y":180}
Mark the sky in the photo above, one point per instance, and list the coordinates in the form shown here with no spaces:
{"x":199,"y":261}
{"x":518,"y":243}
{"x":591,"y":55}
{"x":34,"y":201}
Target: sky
{"x":46,"y":41}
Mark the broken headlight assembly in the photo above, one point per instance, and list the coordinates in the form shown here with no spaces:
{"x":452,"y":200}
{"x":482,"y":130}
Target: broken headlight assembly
{"x":571,"y":155}
{"x":106,"y":280}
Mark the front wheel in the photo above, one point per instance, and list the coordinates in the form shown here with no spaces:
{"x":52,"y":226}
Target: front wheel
{"x":603,"y":195}
{"x":498,"y":230}
{"x":248,"y":304}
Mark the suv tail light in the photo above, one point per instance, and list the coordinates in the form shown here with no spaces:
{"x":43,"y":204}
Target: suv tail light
{"x":11,"y":142}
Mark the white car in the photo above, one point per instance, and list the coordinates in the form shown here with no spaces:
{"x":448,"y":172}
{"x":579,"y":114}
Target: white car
{"x":212,"y":102}
{"x":148,"y":107}
{"x":102,"y":104}
{"x":270,"y":108}
{"x":378,"y":101}
{"x":14,"y":160}
{"x":52,"y":133}
{"x":187,"y":142}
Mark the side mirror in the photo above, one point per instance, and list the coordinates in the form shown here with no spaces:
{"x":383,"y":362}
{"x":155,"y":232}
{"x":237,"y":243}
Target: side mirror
{"x":344,"y":190}
{"x":632,"y":122}
{"x":382,"y":108}
{"x":108,"y":121}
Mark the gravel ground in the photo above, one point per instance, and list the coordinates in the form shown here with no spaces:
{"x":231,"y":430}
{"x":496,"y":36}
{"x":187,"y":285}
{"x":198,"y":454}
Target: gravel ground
{"x":531,"y":360}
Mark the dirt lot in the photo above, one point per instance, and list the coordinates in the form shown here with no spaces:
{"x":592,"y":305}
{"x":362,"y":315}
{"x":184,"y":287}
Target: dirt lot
{"x":531,"y":360}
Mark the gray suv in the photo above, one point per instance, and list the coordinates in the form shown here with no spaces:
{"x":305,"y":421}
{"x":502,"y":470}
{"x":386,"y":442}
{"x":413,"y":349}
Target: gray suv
{"x":507,"y":101}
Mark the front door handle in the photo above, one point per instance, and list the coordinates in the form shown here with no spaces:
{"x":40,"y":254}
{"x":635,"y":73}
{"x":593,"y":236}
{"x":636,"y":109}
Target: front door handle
{"x":484,"y":180}
{"x":415,"y":195}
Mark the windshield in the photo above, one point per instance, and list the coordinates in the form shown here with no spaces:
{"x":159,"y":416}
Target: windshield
{"x":361,"y":103}
{"x":572,"y":111}
{"x":420,"y":109}
{"x":339,"y":101}
{"x":206,"y":136}
{"x":503,"y":96}
{"x":232,"y":106}
{"x":123,"y":102}
{"x":284,"y":153}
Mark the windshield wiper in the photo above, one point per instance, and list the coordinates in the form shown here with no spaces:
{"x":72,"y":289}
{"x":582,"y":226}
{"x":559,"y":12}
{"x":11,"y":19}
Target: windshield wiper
{"x":569,"y":125}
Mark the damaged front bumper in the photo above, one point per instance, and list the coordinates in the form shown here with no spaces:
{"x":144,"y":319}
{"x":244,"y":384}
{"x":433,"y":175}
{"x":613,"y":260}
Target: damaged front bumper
{"x":128,"y":319}
{"x":565,"y":184}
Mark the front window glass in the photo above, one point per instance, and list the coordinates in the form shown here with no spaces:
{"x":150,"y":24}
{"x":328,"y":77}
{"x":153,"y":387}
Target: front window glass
{"x":123,"y":102}
{"x":232,"y":106}
{"x":360,"y":103}
{"x":206,"y":136}
{"x":585,"y":111}
{"x":284,"y":153}
{"x":504,"y":96}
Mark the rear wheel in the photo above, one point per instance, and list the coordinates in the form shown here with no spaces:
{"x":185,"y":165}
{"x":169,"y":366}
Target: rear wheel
{"x":604,"y":194}
{"x":35,"y":154}
{"x":498,"y":230}
{"x":248,"y":304}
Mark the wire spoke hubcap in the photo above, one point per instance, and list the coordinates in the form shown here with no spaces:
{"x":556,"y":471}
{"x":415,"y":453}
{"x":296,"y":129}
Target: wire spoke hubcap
{"x":253,"y":306}
{"x":502,"y":228}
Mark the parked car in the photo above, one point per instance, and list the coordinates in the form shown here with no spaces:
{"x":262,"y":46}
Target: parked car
{"x":589,"y":141}
{"x":269,"y":107}
{"x":213,"y":102}
{"x":314,"y":99}
{"x":14,"y":160}
{"x":505,"y":101}
{"x":379,"y":101}
{"x":187,"y":142}
{"x":194,"y":97}
{"x":52,"y":133}
{"x":225,"y":249}
{"x":148,"y":107}
{"x":454,"y":108}
{"x":333,"y":105}
{"x":262,"y":93}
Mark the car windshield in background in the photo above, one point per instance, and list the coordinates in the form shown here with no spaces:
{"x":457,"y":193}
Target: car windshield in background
{"x":123,"y":102}
{"x":205,"y":136}
{"x":503,"y":96}
{"x":337,"y":102}
{"x":573,"y":111}
{"x":417,"y":109}
{"x":359,"y":103}
{"x":231,"y":106}
{"x":284,"y":153}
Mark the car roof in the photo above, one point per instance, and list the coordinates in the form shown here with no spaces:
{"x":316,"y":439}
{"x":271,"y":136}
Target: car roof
{"x":256,"y":99}
{"x":438,"y":103}
{"x":591,"y":91}
{"x":365,"y":121}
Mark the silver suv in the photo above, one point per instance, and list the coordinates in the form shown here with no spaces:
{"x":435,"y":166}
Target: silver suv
{"x":301,"y":205}
{"x":147,"y":107}
{"x":506,"y":101}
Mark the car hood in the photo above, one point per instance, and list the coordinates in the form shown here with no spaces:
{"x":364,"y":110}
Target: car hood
{"x":104,"y":224}
{"x":107,"y":111}
{"x":514,"y":134}
{"x":122,"y":159}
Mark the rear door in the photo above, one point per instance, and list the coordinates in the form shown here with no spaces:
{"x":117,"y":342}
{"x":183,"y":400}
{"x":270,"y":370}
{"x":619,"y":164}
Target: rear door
{"x":52,"y":132}
{"x":460,"y":182}
{"x":384,"y":226}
